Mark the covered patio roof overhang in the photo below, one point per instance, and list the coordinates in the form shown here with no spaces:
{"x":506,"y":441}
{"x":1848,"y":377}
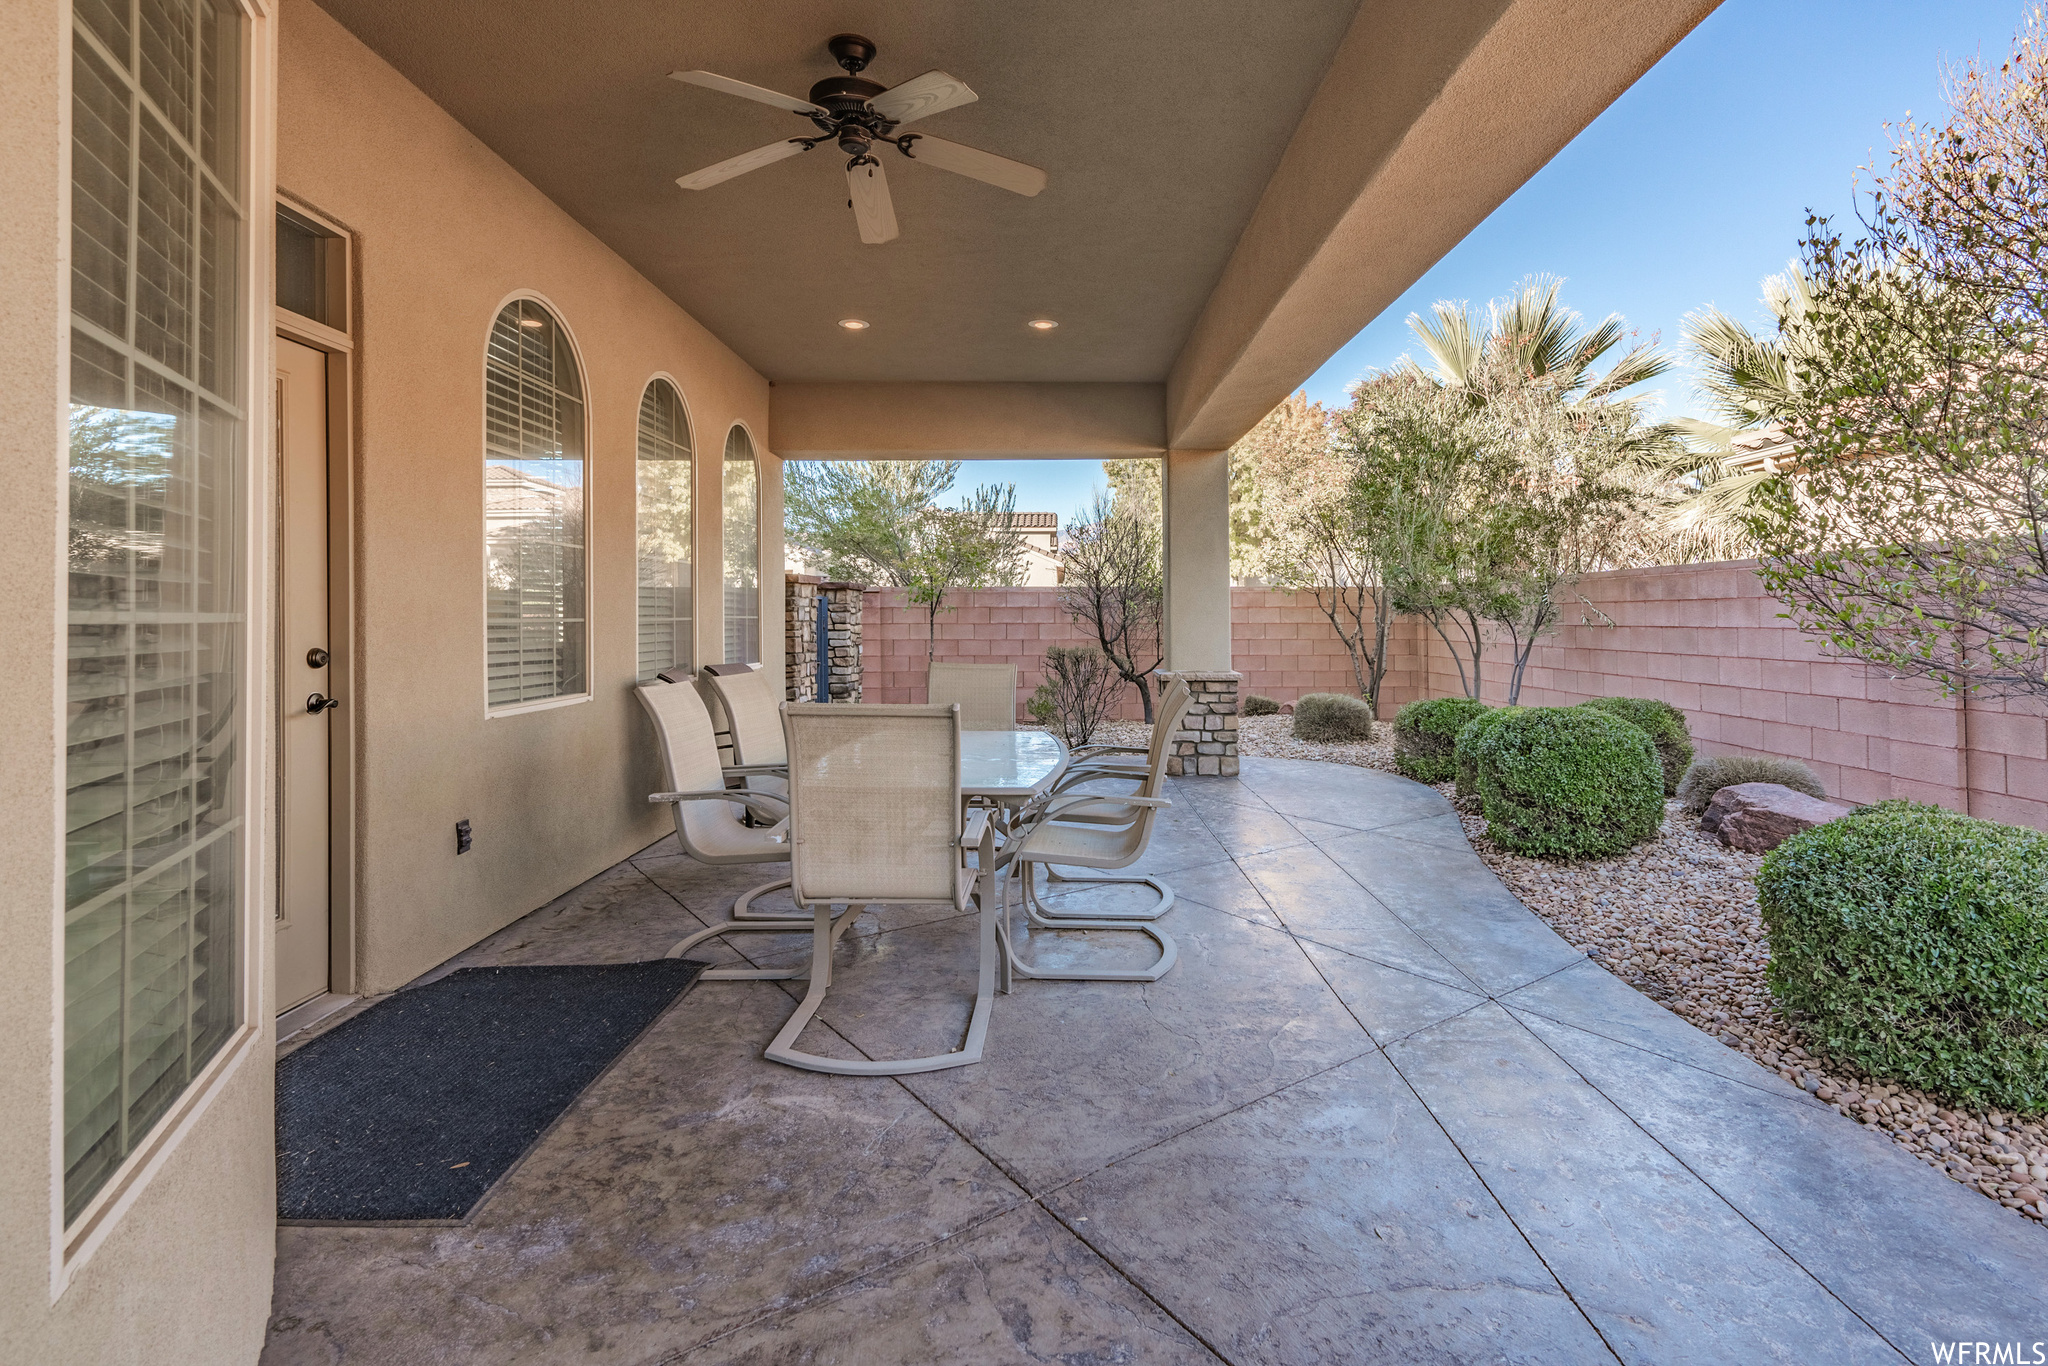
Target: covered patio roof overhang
{"x":1233,"y":193}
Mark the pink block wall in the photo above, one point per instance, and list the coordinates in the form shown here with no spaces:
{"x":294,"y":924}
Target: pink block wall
{"x":989,"y":626}
{"x":1282,"y":643}
{"x":1705,"y":638}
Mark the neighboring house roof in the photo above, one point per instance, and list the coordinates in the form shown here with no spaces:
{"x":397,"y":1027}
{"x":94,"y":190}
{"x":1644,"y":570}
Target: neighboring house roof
{"x":1034,"y":521}
{"x":1768,"y":450}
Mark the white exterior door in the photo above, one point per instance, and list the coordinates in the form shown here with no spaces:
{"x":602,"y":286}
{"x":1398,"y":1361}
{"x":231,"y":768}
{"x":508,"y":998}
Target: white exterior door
{"x":305,"y":678}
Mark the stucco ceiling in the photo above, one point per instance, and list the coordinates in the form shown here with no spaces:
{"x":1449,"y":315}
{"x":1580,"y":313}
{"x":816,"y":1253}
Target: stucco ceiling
{"x":1158,"y":121}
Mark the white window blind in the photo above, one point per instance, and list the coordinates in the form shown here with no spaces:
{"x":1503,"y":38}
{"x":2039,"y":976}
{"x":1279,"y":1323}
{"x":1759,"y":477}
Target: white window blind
{"x":533,"y":510}
{"x":156,"y":609}
{"x":663,"y":520}
{"x":742,"y":487}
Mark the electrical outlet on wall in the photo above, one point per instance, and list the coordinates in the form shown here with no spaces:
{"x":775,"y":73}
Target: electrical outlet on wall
{"x":462,"y":840}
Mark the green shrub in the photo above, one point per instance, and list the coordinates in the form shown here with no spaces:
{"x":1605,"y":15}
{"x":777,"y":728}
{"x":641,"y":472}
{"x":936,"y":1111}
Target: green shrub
{"x":1663,"y":723}
{"x":1426,"y":736}
{"x":1568,"y":782}
{"x":1465,"y":756}
{"x":1331,"y":718}
{"x":1915,"y":943}
{"x":1258,"y":704}
{"x":1708,"y":776}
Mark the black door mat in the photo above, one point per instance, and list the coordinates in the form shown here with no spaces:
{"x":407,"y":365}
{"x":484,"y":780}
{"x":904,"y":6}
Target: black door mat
{"x":413,"y":1109}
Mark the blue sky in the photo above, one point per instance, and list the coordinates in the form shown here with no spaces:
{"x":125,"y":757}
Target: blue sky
{"x":1687,"y":191}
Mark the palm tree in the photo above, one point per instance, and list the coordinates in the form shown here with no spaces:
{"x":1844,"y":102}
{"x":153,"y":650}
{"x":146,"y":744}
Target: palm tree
{"x":1533,"y":350}
{"x":1540,"y":340}
{"x":1750,"y":384}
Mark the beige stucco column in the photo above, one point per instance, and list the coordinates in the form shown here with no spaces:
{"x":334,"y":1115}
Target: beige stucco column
{"x":1197,"y":559}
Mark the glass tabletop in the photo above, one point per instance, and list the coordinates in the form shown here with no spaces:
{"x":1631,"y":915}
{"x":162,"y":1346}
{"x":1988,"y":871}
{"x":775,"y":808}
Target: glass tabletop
{"x":1009,"y":764}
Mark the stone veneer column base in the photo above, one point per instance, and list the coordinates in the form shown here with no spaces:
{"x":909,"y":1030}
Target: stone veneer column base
{"x":1206,"y":743}
{"x":800,"y":645}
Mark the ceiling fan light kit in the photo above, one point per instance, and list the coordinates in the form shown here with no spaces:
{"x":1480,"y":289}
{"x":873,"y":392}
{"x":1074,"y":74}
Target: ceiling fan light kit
{"x":858,"y":114}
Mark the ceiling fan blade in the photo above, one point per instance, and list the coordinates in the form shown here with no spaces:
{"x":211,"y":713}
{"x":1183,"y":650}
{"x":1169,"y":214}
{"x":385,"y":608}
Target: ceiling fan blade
{"x":922,"y":95}
{"x":712,"y":81}
{"x":741,"y":164}
{"x":977,"y":164}
{"x":872,"y":208}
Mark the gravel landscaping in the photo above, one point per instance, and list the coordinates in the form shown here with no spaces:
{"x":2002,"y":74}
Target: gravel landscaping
{"x":1676,"y":918}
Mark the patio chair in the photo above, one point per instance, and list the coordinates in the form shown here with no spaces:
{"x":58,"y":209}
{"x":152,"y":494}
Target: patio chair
{"x":1133,"y":761}
{"x":707,"y":811}
{"x":875,"y":817}
{"x":1049,"y":839}
{"x":1115,"y":812}
{"x":987,"y":693}
{"x":743,"y":700}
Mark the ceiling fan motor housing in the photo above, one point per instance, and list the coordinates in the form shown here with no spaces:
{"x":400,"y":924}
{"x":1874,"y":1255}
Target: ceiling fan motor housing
{"x":845,"y":94}
{"x":851,"y":50}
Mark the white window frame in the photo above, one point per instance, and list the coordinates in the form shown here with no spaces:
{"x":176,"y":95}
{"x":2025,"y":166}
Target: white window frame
{"x":696,"y":563}
{"x":73,"y":1244}
{"x":483,"y":507}
{"x":760,"y":541}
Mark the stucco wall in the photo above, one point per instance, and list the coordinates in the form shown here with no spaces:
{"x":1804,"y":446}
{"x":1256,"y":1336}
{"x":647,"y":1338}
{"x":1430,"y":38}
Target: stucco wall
{"x":444,"y":232}
{"x":183,"y":1274}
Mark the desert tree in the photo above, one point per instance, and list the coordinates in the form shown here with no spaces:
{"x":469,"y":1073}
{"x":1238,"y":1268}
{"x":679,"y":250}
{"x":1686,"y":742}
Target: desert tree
{"x":1911,"y":531}
{"x":880,"y":522}
{"x":1534,"y":466}
{"x":1113,"y":582}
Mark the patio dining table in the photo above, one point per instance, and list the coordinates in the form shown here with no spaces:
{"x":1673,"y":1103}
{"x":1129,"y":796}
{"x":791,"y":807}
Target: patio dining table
{"x":1006,"y":769}
{"x":1009,"y":767}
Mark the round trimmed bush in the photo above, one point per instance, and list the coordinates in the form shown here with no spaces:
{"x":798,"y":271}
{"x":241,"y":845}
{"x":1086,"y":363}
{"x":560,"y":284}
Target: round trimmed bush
{"x":1663,"y":723}
{"x":1568,"y":782}
{"x":1258,"y":704}
{"x":1332,"y":718}
{"x":1707,"y":776}
{"x":1465,"y":755}
{"x":1915,"y":943}
{"x":1426,"y":736}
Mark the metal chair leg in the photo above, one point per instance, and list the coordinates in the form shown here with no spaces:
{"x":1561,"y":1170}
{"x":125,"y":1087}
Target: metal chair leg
{"x":1041,"y":914}
{"x":839,"y":921}
{"x":1016,"y":966}
{"x":783,"y":1047}
{"x":743,"y":909}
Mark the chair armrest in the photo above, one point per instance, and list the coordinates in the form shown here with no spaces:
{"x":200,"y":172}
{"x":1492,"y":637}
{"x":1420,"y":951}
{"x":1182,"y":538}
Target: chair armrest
{"x":1111,"y":749}
{"x":1021,"y":838}
{"x":1110,"y":766}
{"x":1085,"y":774}
{"x":760,"y":803}
{"x":974,"y":828}
{"x":1059,"y":804}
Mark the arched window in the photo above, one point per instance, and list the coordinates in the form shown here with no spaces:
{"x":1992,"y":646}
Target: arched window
{"x":662,"y":512}
{"x":534,"y":618}
{"x":742,"y":488}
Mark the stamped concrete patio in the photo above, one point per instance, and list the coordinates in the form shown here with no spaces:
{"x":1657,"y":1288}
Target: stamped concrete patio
{"x":1379,"y":1112}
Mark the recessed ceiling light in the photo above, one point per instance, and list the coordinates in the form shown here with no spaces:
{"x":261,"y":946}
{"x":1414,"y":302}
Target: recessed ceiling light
{"x":1042,"y":324}
{"x":532,"y":322}
{"x":853,"y":324}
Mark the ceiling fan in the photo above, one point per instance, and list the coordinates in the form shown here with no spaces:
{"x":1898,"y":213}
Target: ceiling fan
{"x":858,"y":114}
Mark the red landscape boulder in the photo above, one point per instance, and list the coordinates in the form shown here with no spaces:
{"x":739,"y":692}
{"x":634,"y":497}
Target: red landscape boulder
{"x":1761,"y":816}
